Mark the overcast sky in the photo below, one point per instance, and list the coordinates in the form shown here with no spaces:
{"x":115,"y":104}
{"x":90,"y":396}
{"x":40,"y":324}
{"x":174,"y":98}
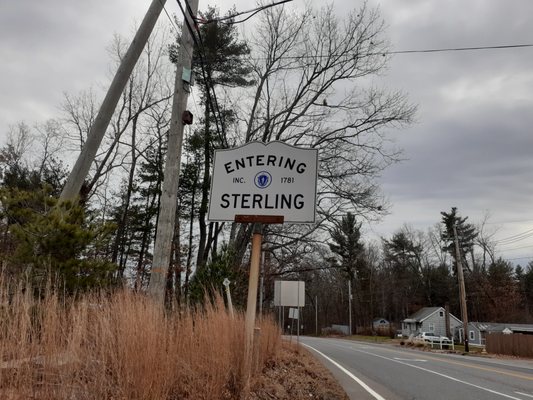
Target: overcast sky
{"x":472,"y":144}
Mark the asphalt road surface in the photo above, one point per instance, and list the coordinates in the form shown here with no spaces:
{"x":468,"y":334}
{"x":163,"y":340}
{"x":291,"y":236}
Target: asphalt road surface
{"x":378,"y":371}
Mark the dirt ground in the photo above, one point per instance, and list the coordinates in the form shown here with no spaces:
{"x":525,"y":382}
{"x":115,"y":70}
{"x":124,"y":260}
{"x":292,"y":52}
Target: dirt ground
{"x":296,"y":375}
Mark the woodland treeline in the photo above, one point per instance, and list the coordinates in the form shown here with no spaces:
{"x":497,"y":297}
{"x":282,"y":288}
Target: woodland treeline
{"x":308,"y":78}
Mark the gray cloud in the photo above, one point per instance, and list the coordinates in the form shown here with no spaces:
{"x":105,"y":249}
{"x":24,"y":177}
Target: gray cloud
{"x":470,"y":148}
{"x":472,"y":144}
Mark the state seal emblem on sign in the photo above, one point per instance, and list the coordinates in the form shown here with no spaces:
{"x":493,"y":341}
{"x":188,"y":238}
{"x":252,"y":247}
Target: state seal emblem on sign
{"x":263,"y":179}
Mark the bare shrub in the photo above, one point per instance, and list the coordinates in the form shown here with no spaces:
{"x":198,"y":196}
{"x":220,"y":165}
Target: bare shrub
{"x":121,"y":346}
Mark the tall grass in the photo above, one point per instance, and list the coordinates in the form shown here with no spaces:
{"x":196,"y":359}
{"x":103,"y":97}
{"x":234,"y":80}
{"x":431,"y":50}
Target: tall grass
{"x":121,"y":346}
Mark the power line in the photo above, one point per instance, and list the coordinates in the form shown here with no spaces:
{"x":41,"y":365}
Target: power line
{"x":209,"y":82}
{"x":232,"y":16}
{"x":516,"y":221}
{"x":530,"y":246}
{"x":174,"y":26}
{"x":450,"y":49}
{"x":314,"y":57}
{"x":515,"y":238}
{"x":172,"y":22}
{"x":520,"y":258}
{"x":207,"y":76}
{"x":290,"y":271}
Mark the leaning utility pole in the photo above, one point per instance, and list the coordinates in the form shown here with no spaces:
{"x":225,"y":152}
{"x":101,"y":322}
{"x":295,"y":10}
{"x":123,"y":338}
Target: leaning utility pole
{"x":78,"y":174}
{"x":350,"y":306}
{"x":167,"y":208}
{"x":462,"y":291}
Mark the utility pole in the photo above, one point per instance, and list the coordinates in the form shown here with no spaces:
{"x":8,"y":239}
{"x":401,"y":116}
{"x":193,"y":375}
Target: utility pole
{"x":316,"y":315}
{"x":78,"y":174}
{"x":462,"y":291}
{"x":350,"y":304}
{"x":167,"y":208}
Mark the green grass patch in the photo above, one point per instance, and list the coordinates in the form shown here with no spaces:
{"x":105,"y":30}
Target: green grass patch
{"x":472,"y":349}
{"x":369,"y":338}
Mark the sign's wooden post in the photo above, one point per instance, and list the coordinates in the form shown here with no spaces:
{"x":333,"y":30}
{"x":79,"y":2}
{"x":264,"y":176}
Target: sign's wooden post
{"x":252,"y":288}
{"x":253,"y":280}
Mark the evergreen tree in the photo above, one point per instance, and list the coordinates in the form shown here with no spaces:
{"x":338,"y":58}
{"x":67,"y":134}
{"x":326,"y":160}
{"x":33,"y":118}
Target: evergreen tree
{"x":503,"y":292}
{"x":55,"y":242}
{"x":346,"y":244}
{"x":219,"y":60}
{"x":403,"y":257}
{"x":466,"y":233}
{"x":209,"y":281}
{"x":346,"y":237}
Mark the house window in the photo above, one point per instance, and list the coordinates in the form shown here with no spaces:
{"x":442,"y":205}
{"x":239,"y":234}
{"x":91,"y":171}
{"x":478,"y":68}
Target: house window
{"x":472,"y":335}
{"x":441,"y":313}
{"x":431,"y":327}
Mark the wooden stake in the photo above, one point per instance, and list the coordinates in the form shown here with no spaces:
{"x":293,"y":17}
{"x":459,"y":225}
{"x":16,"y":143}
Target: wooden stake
{"x":252,"y":299}
{"x":253,"y":281}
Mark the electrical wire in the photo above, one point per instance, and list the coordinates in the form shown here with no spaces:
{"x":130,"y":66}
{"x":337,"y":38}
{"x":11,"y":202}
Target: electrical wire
{"x":172,"y":22}
{"x":207,"y":77}
{"x":530,"y":246}
{"x":202,"y":56}
{"x":519,"y":258}
{"x":195,"y":104}
{"x":232,"y":16}
{"x":449,"y":49}
{"x":314,"y":57}
{"x":173,"y":25}
{"x":521,"y":221}
{"x":290,"y":271}
{"x":515,"y":238}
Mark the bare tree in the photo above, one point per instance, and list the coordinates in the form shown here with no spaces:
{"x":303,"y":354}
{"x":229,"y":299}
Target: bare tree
{"x":314,"y":89}
{"x":485,"y":240}
{"x":147,"y":86}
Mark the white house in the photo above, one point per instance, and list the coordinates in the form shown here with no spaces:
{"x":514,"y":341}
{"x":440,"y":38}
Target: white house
{"x":429,"y":319}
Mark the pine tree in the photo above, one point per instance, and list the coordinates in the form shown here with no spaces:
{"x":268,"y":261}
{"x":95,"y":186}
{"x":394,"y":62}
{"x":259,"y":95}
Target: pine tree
{"x":219,"y":60}
{"x":346,"y":237}
{"x":466,"y":233}
{"x":55,"y":242}
{"x":346,"y":244}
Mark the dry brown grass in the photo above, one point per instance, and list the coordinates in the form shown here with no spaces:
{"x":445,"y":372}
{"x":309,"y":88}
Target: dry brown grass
{"x":121,"y":346}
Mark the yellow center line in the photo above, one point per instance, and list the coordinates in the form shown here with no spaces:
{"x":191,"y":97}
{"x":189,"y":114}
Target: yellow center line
{"x":489,"y":369}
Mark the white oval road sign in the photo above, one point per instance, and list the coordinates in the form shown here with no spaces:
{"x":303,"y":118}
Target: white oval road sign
{"x":264,"y":179}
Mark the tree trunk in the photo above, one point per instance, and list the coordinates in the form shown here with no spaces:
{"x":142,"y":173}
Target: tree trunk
{"x":201,"y":256}
{"x":119,"y":243}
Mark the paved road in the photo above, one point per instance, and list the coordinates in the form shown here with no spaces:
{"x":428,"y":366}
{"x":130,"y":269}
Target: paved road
{"x":379,"y":372}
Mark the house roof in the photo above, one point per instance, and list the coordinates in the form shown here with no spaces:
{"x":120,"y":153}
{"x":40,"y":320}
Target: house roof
{"x":499,"y":327}
{"x":423,"y":313}
{"x":426,"y":312}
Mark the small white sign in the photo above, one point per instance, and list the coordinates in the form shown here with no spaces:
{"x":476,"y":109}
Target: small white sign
{"x":293,"y":313}
{"x":264,"y":179}
{"x":289,"y":293}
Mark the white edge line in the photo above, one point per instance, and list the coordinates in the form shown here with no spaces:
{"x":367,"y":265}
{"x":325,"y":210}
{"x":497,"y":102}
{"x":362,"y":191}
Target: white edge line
{"x":440,"y":374}
{"x":355,"y":378}
{"x":524,"y":394}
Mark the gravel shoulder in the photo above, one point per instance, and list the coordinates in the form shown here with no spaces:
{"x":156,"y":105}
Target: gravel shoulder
{"x":295,"y":374}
